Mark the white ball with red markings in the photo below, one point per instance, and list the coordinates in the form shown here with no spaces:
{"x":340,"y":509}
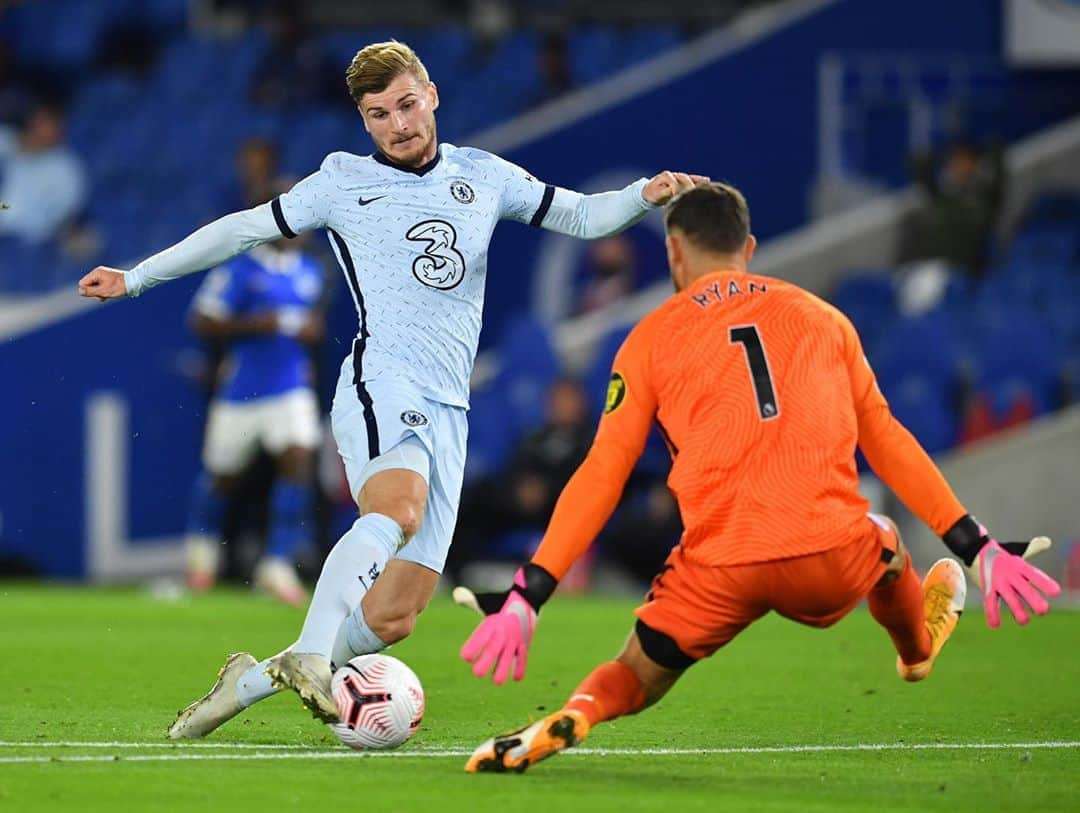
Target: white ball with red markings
{"x":380,"y":702}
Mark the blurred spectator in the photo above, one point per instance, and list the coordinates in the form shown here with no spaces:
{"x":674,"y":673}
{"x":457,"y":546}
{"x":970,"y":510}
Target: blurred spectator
{"x":44,"y":181}
{"x":612,"y":266}
{"x":257,"y":174}
{"x":295,"y":70}
{"x":489,"y":21}
{"x":965,"y":188}
{"x":643,"y":531}
{"x":128,"y":46}
{"x":14,"y":98}
{"x":524,"y":496}
{"x":553,"y":65}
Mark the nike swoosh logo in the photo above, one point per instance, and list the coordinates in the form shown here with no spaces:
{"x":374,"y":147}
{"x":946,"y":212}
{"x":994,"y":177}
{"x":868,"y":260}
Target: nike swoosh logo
{"x":363,"y":202}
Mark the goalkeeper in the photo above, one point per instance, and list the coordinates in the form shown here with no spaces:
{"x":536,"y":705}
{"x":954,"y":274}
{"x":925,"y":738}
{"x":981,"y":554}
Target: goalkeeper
{"x":762,"y":392}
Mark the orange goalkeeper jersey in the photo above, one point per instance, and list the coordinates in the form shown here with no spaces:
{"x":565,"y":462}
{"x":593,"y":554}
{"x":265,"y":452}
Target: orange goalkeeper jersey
{"x":761,"y":391}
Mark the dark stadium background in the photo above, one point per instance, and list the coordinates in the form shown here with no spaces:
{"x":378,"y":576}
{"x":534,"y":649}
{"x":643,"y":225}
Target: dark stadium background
{"x":814,"y":109}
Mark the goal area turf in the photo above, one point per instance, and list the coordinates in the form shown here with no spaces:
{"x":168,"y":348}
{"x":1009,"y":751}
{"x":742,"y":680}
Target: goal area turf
{"x":784,"y":718}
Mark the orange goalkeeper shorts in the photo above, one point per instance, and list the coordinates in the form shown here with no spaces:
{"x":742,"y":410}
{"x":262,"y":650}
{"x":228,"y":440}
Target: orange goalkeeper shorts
{"x":701,"y":607}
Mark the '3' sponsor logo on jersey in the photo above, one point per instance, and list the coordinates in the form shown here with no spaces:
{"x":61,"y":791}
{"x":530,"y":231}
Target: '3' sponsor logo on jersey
{"x":441,"y":265}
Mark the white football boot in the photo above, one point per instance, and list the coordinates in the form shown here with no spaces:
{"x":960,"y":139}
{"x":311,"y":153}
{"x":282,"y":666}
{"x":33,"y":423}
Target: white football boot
{"x":277,"y":578}
{"x":216,"y":706}
{"x":309,"y":676}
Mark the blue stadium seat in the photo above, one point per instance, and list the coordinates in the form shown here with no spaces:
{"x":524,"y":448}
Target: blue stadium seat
{"x":869,"y":301}
{"x":527,"y":368}
{"x":925,"y":411}
{"x":39,"y":39}
{"x":594,"y":53}
{"x":1054,"y":207}
{"x":647,"y":42}
{"x":491,"y":433}
{"x":1061,"y":308}
{"x":918,"y":367}
{"x":1039,"y":248}
{"x":1017,"y":357}
{"x":168,"y":14}
{"x":444,"y":51}
{"x":188,"y":66}
{"x":341,"y":44}
{"x":307,"y":138}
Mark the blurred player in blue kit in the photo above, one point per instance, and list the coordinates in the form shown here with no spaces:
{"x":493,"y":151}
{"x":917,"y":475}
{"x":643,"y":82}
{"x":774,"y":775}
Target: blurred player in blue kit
{"x":263,"y":308}
{"x":410,"y":227}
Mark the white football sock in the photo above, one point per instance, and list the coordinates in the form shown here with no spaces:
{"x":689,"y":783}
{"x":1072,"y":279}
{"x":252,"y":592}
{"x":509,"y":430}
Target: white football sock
{"x":355,"y":637}
{"x":348,"y":573}
{"x":254,"y":685}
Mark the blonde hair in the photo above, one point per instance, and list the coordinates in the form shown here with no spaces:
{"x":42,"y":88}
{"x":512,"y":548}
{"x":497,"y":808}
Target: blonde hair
{"x":377,"y":65}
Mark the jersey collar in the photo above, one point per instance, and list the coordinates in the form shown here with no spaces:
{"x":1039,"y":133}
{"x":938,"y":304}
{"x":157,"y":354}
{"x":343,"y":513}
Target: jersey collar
{"x":421,"y":170}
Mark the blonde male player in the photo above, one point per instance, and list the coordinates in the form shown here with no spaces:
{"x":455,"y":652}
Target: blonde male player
{"x":762,"y":392}
{"x":410,"y":226}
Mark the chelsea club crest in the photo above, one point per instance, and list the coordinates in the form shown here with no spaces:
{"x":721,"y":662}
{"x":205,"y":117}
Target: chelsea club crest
{"x":411,"y":417}
{"x":462,"y":192}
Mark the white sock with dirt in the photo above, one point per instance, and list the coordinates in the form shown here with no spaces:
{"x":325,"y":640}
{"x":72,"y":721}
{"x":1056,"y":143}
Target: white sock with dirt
{"x":348,"y":573}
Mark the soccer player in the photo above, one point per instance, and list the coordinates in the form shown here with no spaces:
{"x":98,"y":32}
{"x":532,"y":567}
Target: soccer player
{"x":410,"y":226}
{"x":263,"y":306}
{"x":762,"y":392}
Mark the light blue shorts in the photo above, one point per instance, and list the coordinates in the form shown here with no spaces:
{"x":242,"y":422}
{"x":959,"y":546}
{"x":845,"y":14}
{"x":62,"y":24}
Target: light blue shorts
{"x":380,"y":425}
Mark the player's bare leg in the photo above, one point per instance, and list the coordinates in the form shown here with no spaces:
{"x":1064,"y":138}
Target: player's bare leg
{"x":391,"y":505}
{"x":217,"y":706}
{"x":624,"y":686}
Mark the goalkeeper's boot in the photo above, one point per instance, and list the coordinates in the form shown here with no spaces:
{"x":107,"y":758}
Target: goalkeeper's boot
{"x":518,"y":750}
{"x":944,"y":591}
{"x":216,"y":706}
{"x":309,"y":676}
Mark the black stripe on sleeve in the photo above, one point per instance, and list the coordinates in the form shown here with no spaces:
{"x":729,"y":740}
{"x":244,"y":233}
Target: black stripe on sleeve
{"x":545,"y":204}
{"x":279,"y":218}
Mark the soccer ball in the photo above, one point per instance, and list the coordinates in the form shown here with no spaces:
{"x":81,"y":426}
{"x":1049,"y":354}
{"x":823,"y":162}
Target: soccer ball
{"x":380,"y":701}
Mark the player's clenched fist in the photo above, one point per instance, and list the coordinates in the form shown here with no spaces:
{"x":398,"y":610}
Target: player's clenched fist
{"x":663,"y":187}
{"x":103,"y":283}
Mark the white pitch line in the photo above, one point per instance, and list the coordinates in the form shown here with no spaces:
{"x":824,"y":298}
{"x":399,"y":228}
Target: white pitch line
{"x":460,"y":752}
{"x":174,"y":744}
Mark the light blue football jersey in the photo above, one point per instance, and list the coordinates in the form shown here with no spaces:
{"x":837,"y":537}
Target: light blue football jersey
{"x":261,"y":281}
{"x":413,"y":244}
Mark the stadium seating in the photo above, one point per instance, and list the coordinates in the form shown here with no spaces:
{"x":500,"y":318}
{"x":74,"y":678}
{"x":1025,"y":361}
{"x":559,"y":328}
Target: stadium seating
{"x":1014,"y":335}
{"x":869,"y":300}
{"x":141,"y":136}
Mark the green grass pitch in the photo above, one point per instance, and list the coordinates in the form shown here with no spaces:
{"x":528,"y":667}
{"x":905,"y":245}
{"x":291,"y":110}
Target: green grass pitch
{"x":105,"y":670}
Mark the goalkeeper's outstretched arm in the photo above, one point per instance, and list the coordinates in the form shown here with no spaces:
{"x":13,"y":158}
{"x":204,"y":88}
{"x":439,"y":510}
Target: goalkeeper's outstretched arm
{"x":1000,"y":570}
{"x":588,"y":500}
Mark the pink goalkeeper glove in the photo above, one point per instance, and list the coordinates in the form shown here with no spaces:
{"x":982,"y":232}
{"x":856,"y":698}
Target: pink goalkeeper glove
{"x":1002,"y":575}
{"x":502,"y":638}
{"x":1002,"y":572}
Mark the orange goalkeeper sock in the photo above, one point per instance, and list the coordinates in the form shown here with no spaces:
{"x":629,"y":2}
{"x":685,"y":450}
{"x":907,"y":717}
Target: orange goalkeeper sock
{"x":611,"y":690}
{"x":898,"y":607}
